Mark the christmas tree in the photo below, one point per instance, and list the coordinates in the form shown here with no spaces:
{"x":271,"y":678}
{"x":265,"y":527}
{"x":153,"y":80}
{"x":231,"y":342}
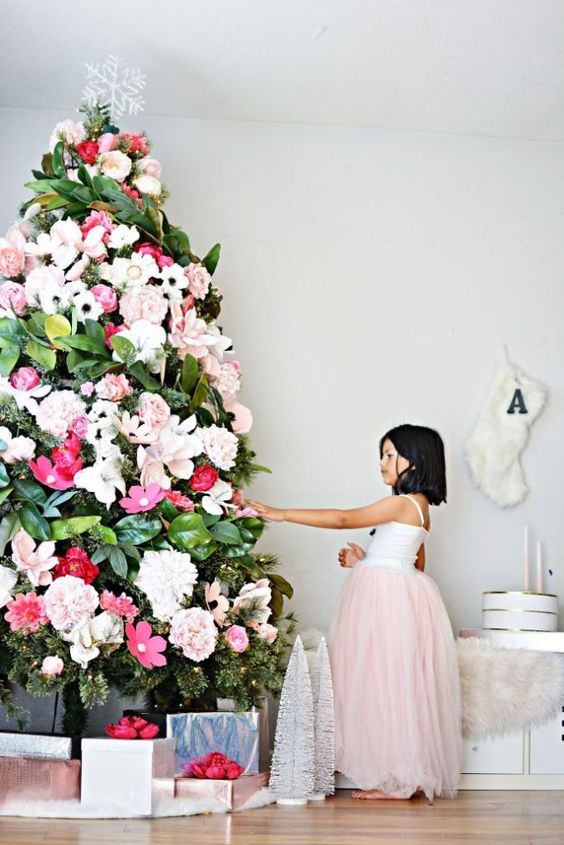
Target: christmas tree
{"x":292,"y":774}
{"x":324,"y":720}
{"x":127,"y":551}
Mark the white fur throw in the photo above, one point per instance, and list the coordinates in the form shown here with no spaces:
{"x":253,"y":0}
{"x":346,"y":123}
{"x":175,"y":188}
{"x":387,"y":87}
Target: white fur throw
{"x":496,"y":444}
{"x":505,"y":689}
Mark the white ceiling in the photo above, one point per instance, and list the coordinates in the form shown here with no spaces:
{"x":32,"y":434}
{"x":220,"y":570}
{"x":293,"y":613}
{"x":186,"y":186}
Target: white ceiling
{"x":485,"y":67}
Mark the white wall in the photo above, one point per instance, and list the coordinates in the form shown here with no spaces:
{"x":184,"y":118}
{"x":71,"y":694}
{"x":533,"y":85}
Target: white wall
{"x":371,"y":278}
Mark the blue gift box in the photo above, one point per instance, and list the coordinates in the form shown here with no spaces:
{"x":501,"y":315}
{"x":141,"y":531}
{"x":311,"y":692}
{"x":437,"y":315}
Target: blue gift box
{"x":240,"y":736}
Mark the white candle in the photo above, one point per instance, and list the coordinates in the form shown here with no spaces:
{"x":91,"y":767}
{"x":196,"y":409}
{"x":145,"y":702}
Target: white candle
{"x":539,"y":568}
{"x":526,"y":561}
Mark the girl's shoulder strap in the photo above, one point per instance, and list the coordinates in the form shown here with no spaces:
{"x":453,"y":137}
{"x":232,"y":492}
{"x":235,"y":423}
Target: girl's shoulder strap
{"x":417,"y":505}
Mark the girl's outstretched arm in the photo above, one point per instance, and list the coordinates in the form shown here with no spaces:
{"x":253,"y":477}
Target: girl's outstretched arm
{"x":384,"y":510}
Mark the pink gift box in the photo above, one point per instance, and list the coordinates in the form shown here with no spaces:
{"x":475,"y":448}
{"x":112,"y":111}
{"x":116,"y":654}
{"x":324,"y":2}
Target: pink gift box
{"x":27,"y":779}
{"x":233,"y":794}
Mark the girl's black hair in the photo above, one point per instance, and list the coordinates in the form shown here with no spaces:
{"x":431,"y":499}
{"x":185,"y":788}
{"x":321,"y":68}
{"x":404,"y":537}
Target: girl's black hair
{"x":424,"y":449}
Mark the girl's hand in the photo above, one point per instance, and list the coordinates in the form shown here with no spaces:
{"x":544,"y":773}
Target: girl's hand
{"x":265,"y":511}
{"x":351,"y":556}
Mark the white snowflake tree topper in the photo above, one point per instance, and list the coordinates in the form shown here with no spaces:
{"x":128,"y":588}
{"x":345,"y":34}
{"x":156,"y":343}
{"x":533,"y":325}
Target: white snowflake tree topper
{"x":115,"y":84}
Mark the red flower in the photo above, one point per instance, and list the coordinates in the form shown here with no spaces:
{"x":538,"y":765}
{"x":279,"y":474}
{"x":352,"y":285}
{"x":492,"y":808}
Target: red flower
{"x":132,"y":194}
{"x":76,"y":562}
{"x":66,"y":458}
{"x":132,"y":727}
{"x":156,"y":252}
{"x":137,"y":143}
{"x":213,"y":766}
{"x":88,"y":151}
{"x":203,"y":479}
{"x":109,"y":331}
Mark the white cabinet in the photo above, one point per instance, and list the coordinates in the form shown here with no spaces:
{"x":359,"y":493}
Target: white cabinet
{"x":494,"y":756}
{"x":547,"y":747}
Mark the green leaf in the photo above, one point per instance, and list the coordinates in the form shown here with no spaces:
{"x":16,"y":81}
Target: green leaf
{"x":211,"y":259}
{"x":65,"y":188}
{"x":124,"y":348}
{"x":201,"y":553}
{"x":137,"y":528}
{"x":46,"y":357}
{"x":47,"y":165}
{"x":168,"y":510}
{"x":58,"y":164}
{"x":282,"y":585}
{"x":11,"y":329}
{"x":84,"y":176}
{"x":7,"y":529}
{"x":105,"y":534}
{"x":29,"y":490}
{"x":40,"y":186}
{"x":141,"y":374}
{"x":188,"y":531}
{"x":85,"y":344}
{"x":62,"y":529}
{"x":9,"y":359}
{"x":4,"y":477}
{"x":37,"y":322}
{"x":251,"y":528}
{"x":32,"y":522}
{"x":131,"y":551}
{"x":76,"y":360}
{"x":118,"y":561}
{"x":95,"y":331}
{"x":190,"y":373}
{"x":56,"y":202}
{"x":201,"y":392}
{"x":57,"y":326}
{"x":5,"y":493}
{"x":102,"y":553}
{"x":227,"y":533}
{"x":210,"y":518}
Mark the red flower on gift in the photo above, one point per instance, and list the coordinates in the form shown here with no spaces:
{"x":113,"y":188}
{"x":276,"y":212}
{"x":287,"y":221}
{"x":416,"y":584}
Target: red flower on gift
{"x":203,"y":479}
{"x":143,"y":646}
{"x":132,"y":727}
{"x":213,"y":766}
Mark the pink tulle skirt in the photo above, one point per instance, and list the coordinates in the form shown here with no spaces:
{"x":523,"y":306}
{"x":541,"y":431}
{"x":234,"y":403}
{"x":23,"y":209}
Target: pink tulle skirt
{"x":396,"y":685}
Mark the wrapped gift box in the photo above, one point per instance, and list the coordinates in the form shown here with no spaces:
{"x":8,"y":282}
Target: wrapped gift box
{"x":44,"y":746}
{"x":120,"y":772}
{"x":30,"y":779}
{"x":241,"y":736}
{"x":233,"y":794}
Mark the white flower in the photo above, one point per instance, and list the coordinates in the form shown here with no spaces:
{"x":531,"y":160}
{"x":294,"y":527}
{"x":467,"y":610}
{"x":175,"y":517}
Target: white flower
{"x":166,"y":578}
{"x":148,"y":341}
{"x":176,"y":446}
{"x":152,"y":470}
{"x":126,"y":273}
{"x":69,"y":602}
{"x":41,"y":248}
{"x":254,"y":599}
{"x":148,"y":185}
{"x":174,"y":281}
{"x":90,"y":634}
{"x":222,"y":342}
{"x":8,"y":580}
{"x":220,"y":445}
{"x":57,"y":411}
{"x":228,"y":380}
{"x":17,"y":448}
{"x":24,"y":398}
{"x":123,"y":235}
{"x":115,"y":164}
{"x":66,"y":239}
{"x":102,"y":479}
{"x":44,"y":288}
{"x":217,"y":498}
{"x":103,"y":411}
{"x":69,"y":132}
{"x":87,"y":307}
{"x":193,"y":630}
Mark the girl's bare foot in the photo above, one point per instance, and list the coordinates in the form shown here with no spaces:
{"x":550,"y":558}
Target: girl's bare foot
{"x":374,"y":794}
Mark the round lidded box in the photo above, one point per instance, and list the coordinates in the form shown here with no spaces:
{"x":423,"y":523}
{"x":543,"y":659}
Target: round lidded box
{"x":516,"y":610}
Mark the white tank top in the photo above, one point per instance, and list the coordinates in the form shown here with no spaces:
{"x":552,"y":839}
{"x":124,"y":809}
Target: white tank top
{"x":394,"y":545}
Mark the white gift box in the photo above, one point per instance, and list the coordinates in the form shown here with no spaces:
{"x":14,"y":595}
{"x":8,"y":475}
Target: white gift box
{"x":119,"y":772}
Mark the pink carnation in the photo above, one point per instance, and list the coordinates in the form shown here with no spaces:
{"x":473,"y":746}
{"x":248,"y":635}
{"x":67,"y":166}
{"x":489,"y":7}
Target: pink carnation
{"x":154,"y":411}
{"x":57,"y":411}
{"x":98,"y":218}
{"x":237,"y":639}
{"x":193,"y":630}
{"x":13,"y":298}
{"x":79,"y":425}
{"x":181,"y":502}
{"x":26,"y":612}
{"x":69,"y":601}
{"x":113,"y":387}
{"x":145,"y":303}
{"x":198,"y":280}
{"x":119,"y":605}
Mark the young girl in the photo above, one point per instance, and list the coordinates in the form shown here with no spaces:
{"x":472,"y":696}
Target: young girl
{"x":393,"y":658}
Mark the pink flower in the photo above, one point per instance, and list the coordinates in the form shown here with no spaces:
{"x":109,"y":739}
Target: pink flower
{"x":98,"y":218}
{"x":132,"y":727}
{"x":12,"y":256}
{"x":142,"y":499}
{"x":150,"y":166}
{"x":204,"y":478}
{"x":106,"y":142}
{"x":58,"y":410}
{"x":265,"y":631}
{"x":50,"y":475}
{"x":12,"y":298}
{"x":79,"y":425}
{"x":213,"y":766}
{"x":132,"y":194}
{"x":143,"y":646}
{"x":188,"y":333}
{"x":109,"y":331}
{"x":119,"y":605}
{"x":193,"y":630}
{"x":26,"y":378}
{"x":116,"y":165}
{"x":34,"y":561}
{"x":243,"y":418}
{"x":26,"y":612}
{"x":106,"y":296}
{"x":87,"y":389}
{"x":52,"y":665}
{"x":69,"y":602}
{"x":198,"y":280}
{"x":181,"y":502}
{"x":143,"y":303}
{"x":154,"y":411}
{"x":213,"y":596}
{"x":237,"y":639}
{"x":137,"y":143}
{"x":113,"y":387}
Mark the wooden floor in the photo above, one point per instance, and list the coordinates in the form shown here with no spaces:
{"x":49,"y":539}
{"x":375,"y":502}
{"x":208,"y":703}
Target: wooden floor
{"x":487,"y":818}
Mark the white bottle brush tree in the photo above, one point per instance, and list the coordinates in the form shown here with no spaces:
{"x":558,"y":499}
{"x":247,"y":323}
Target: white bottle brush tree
{"x":324,"y":720}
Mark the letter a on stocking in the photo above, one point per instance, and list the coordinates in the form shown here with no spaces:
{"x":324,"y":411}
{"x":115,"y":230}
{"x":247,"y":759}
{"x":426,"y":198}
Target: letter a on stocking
{"x":494,"y":449}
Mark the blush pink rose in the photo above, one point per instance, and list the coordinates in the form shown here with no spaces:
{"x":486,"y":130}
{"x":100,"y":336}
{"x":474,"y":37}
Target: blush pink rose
{"x":13,"y":298}
{"x":106,"y":297}
{"x":26,"y":378}
{"x":237,"y":639}
{"x":52,"y":665}
{"x":106,"y":142}
{"x":149,"y":166}
{"x":154,"y":411}
{"x":113,"y":387}
{"x":12,"y":260}
{"x":116,"y":165}
{"x":198,"y":280}
{"x":266,"y":632}
{"x":79,"y":425}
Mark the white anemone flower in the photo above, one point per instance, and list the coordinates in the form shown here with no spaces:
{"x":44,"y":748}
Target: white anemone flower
{"x":87,"y":307}
{"x":134,"y":272}
{"x":173,"y":281}
{"x":102,"y":479}
{"x":122,"y":236}
{"x":216,"y":500}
